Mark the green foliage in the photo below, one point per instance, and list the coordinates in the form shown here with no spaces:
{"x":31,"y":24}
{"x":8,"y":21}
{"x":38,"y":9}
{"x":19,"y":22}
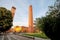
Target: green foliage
{"x":38,"y":23}
{"x":51,"y":23}
{"x":39,"y":35}
{"x":5,"y":19}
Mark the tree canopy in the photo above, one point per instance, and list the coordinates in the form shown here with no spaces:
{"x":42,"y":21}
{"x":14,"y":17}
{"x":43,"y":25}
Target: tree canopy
{"x":50,"y":24}
{"x":6,"y":19}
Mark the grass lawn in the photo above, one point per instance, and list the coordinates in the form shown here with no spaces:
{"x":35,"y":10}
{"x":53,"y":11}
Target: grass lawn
{"x":39,"y":35}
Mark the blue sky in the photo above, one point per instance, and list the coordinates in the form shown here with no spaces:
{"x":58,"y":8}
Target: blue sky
{"x":40,"y":8}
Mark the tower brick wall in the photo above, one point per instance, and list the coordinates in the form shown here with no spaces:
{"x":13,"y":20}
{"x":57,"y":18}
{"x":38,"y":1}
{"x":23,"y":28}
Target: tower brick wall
{"x":30,"y":18}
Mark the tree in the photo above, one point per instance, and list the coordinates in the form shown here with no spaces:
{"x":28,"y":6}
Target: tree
{"x":6,"y":19}
{"x":52,"y":22}
{"x":38,"y":24}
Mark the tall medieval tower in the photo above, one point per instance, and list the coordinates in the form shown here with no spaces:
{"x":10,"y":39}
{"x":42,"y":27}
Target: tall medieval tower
{"x":30,"y":22}
{"x":13,"y":9}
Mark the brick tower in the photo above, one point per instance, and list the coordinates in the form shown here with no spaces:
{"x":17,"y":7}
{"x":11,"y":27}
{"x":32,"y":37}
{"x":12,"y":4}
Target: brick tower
{"x":30,"y":22}
{"x":13,"y":11}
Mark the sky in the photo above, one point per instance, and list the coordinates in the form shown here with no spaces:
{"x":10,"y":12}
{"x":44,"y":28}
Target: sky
{"x":40,"y":7}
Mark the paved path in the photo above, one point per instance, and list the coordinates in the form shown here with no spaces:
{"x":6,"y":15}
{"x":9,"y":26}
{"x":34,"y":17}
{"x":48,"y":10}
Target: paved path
{"x":16,"y":37}
{"x":13,"y":37}
{"x":1,"y":37}
{"x":19,"y":37}
{"x":25,"y":38}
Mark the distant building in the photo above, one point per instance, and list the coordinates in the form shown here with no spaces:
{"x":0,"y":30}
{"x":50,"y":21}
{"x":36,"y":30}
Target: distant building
{"x":17,"y":29}
{"x":24,"y":29}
